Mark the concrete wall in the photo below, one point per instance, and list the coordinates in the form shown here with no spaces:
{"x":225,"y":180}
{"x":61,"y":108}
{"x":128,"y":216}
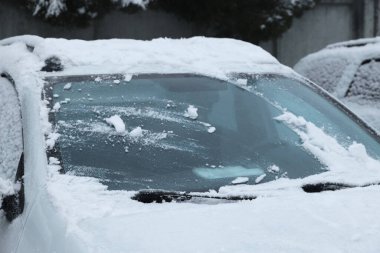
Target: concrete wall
{"x":330,"y":21}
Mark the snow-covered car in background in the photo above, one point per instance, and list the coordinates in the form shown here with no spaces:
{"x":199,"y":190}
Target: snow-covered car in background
{"x":192,"y":145}
{"x":351,"y":72}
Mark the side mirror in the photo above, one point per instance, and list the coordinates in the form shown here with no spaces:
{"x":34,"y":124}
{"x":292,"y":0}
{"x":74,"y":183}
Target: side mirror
{"x":13,"y":205}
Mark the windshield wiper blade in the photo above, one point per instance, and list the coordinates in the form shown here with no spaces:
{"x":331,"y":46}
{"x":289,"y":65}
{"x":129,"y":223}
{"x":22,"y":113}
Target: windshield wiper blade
{"x":159,"y":196}
{"x":321,"y":187}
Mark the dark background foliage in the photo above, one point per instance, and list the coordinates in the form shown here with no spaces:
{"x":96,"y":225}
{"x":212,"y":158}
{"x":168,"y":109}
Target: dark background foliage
{"x":250,"y":20}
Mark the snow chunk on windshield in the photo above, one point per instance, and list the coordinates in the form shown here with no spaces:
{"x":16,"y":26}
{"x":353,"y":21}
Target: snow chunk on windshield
{"x":67,"y":86}
{"x":191,"y":112}
{"x":211,"y":130}
{"x":260,"y":178}
{"x":242,"y":82}
{"x":117,"y":123}
{"x":273,"y":168}
{"x":51,"y":139}
{"x":136,"y":133}
{"x":240,"y":180}
{"x":56,"y":107}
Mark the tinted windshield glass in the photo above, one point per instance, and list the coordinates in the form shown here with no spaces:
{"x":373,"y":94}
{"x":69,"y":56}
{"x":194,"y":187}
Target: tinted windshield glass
{"x":179,"y":132}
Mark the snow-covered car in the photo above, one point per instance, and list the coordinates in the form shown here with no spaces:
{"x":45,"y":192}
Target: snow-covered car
{"x":350,"y":71}
{"x":191,"y":145}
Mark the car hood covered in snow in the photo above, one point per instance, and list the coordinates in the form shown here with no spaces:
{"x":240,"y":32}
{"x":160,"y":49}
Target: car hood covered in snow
{"x":281,"y":218}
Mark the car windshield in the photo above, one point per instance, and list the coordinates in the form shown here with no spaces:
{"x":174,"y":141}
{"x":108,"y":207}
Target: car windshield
{"x":190,"y":133}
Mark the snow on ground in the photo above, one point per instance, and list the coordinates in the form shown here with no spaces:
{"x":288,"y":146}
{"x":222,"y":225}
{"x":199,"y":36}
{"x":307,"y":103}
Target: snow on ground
{"x":283,"y":218}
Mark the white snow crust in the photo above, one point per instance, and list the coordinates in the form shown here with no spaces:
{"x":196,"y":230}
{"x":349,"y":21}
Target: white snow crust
{"x":334,"y":69}
{"x":282,"y":218}
{"x":191,"y":112}
{"x":117,"y":123}
{"x":198,"y":55}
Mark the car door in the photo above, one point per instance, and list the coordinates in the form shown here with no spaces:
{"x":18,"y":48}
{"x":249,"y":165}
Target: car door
{"x":11,"y":151}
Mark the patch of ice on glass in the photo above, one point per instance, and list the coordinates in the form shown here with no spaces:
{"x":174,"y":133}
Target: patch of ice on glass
{"x":227,"y":172}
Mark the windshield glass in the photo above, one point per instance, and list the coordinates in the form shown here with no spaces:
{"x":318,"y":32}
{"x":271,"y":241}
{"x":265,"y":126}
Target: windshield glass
{"x":190,"y":133}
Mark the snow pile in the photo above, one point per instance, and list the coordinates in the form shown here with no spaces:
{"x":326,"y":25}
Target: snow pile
{"x":352,"y":161}
{"x":136,"y":132}
{"x":117,"y":123}
{"x":209,"y":56}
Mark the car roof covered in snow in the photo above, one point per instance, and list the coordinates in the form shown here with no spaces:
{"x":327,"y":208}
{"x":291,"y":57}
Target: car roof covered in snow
{"x":198,"y":55}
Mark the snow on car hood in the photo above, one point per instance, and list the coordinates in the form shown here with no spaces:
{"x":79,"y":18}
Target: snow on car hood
{"x":283,"y":218}
{"x":341,"y":221}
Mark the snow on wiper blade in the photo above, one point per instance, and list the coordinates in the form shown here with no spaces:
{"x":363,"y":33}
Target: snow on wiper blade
{"x":159,"y":196}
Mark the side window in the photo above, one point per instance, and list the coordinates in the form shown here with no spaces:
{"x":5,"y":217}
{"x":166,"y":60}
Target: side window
{"x":366,"y":82}
{"x":10,"y":130}
{"x":11,"y":145}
